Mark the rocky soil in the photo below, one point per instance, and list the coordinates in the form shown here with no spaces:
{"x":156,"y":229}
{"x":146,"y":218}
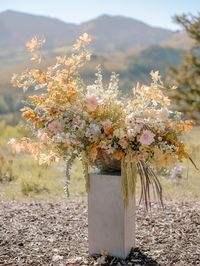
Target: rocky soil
{"x":41,"y":233}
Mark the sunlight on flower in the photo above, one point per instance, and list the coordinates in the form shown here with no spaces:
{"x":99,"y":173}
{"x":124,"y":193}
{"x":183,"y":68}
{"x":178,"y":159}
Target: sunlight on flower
{"x":85,"y":38}
{"x":43,"y":136}
{"x":155,"y":76}
{"x":34,"y":44}
{"x":91,"y":102}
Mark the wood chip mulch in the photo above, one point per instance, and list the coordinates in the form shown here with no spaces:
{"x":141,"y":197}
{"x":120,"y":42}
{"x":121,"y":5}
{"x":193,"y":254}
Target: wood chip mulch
{"x":41,"y":233}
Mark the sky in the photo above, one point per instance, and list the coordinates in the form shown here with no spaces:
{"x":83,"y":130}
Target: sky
{"x":154,"y":12}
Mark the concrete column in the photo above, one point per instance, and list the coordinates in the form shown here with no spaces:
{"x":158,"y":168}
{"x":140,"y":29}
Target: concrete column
{"x":111,"y":226}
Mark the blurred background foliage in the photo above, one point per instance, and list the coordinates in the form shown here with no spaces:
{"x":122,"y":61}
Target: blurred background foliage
{"x":187,"y":75}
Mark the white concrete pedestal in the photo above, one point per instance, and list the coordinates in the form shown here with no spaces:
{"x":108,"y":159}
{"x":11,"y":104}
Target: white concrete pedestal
{"x":111,"y":226}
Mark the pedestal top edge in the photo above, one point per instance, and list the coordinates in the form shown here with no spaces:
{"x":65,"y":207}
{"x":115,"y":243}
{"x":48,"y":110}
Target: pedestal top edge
{"x":106,"y":174}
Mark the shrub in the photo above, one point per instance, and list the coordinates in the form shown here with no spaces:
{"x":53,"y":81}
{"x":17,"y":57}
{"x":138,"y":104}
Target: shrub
{"x":6,"y":169}
{"x":31,"y":186}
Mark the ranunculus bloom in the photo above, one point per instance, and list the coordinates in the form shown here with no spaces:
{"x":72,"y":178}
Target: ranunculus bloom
{"x":92,"y":102}
{"x":147,"y":137}
{"x":54,"y":126}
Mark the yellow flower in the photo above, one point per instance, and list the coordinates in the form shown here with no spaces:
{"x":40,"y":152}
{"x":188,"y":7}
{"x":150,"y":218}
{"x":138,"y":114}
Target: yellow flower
{"x":32,"y":116}
{"x":170,"y":138}
{"x":31,"y":45}
{"x":167,"y":159}
{"x":85,"y":38}
{"x":104,"y":253}
{"x":14,"y":80}
{"x":94,"y":151}
{"x":186,"y":126}
{"x":40,"y":76}
{"x":181,"y":153}
{"x":161,"y":159}
{"x":34,"y":43}
{"x":37,"y":100}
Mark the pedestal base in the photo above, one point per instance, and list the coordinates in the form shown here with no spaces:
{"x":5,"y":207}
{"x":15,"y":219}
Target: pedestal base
{"x":111,"y":226}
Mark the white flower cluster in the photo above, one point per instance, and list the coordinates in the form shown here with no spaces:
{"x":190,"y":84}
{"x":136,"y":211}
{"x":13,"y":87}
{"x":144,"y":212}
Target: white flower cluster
{"x":177,"y":173}
{"x":104,"y":92}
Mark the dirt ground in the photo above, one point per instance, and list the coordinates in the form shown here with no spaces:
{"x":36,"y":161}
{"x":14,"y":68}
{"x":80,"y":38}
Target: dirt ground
{"x":41,"y":233}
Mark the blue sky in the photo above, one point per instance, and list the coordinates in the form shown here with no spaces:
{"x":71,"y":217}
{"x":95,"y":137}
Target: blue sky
{"x":153,"y":12}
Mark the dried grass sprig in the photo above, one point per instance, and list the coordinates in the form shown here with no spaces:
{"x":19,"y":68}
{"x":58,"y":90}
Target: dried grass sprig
{"x":69,"y":162}
{"x":148,"y":180}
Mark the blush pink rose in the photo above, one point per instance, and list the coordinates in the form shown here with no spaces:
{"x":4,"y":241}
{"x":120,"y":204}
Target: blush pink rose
{"x":92,"y":102}
{"x":147,"y":137}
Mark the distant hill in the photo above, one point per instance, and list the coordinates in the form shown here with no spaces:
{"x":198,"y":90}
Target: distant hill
{"x":16,"y":28}
{"x":179,"y":41}
{"x":109,"y":33}
{"x":118,"y":33}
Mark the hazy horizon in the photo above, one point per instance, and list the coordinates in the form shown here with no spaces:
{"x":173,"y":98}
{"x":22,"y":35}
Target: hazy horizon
{"x":79,"y":23}
{"x":155,"y":13}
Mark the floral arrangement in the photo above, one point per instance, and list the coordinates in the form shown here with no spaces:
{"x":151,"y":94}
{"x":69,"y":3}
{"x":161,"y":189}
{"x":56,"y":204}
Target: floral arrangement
{"x":69,"y":119}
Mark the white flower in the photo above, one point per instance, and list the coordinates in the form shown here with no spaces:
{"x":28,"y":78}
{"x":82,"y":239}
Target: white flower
{"x":106,"y":123}
{"x":12,"y":141}
{"x":177,"y":172}
{"x":155,"y":76}
{"x":130,"y":119}
{"x":93,"y":132}
{"x":163,"y":114}
{"x":132,"y":132}
{"x":119,"y":133}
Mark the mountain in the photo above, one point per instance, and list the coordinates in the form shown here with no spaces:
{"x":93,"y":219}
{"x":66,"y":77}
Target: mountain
{"x":118,"y":33}
{"x":16,"y":28}
{"x":109,"y":33}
